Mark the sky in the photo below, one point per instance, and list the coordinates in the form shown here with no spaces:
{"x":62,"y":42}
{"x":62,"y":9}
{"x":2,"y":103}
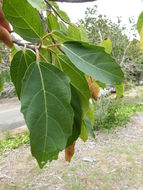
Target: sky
{"x":111,"y":8}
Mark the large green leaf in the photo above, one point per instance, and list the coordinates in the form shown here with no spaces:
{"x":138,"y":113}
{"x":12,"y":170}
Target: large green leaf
{"x":76,"y":105}
{"x":83,"y":34}
{"x":38,"y":4}
{"x":94,"y":61}
{"x":141,"y":39}
{"x":84,"y":132}
{"x":19,"y":65}
{"x":52,"y":22}
{"x":89,"y":127}
{"x":45,"y":103}
{"x":107,"y":44}
{"x":90,"y":114}
{"x":62,"y":14}
{"x":63,"y":27}
{"x":60,"y":36}
{"x":78,"y":80}
{"x":24,"y":19}
{"x":140,"y":22}
{"x":74,"y":32}
{"x":140,"y":29}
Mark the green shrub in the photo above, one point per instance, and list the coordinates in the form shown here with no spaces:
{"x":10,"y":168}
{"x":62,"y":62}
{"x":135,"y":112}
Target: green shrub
{"x":110,"y":113}
{"x":10,"y":143}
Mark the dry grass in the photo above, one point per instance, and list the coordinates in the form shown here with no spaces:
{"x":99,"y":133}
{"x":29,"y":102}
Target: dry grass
{"x":115,"y":162}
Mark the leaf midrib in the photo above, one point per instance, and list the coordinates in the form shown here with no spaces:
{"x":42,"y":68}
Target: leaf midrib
{"x":46,"y":111}
{"x":93,"y":66}
{"x":24,"y":20}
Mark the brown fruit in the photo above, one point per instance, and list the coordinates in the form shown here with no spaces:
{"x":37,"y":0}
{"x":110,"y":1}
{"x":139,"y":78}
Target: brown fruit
{"x":3,"y":21}
{"x":69,"y":152}
{"x":94,"y":88}
{"x":5,"y":37}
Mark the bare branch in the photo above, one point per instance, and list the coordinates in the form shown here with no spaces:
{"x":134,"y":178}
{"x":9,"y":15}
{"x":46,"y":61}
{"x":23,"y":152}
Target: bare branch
{"x":20,"y":43}
{"x":44,"y":23}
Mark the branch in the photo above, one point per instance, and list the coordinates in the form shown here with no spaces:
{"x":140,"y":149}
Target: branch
{"x":46,"y":1}
{"x":48,"y":31}
{"x":20,"y":43}
{"x":44,"y":23}
{"x":73,"y":1}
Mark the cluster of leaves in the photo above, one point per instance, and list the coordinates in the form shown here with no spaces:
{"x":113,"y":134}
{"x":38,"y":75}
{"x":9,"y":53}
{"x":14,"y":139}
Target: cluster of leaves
{"x":110,"y":113}
{"x":126,"y":51}
{"x":51,"y":75}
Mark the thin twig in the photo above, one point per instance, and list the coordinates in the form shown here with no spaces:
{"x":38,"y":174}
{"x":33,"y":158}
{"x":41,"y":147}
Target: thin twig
{"x":43,"y":21}
{"x":50,"y":46}
{"x":46,"y":1}
{"x":51,"y":58}
{"x":47,"y":35}
{"x":48,"y":31}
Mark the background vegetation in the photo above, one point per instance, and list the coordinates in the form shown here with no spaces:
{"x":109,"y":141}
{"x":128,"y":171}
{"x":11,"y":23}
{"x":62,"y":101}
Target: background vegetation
{"x":125,"y":46}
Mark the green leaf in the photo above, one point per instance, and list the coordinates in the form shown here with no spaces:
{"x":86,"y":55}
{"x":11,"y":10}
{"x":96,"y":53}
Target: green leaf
{"x":76,"y":105}
{"x":78,"y":80}
{"x":62,"y":14}
{"x":1,"y":82}
{"x":19,"y":65}
{"x":102,"y":85}
{"x":38,"y":4}
{"x":140,"y":22}
{"x":13,"y":52}
{"x":45,"y":103}
{"x":84,"y":132}
{"x":44,"y":54}
{"x":141,"y":39}
{"x":74,"y":32}
{"x":89,"y":127}
{"x":52,"y":22}
{"x":119,"y":90}
{"x":60,"y":36}
{"x":94,"y":61}
{"x":63,"y":27}
{"x":140,"y":29}
{"x":83,"y":34}
{"x":90,"y":113}
{"x":107,"y":44}
{"x":24,"y":19}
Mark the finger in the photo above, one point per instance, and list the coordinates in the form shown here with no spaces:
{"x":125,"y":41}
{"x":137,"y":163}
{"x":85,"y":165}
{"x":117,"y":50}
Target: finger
{"x":5,"y":37}
{"x":3,"y":21}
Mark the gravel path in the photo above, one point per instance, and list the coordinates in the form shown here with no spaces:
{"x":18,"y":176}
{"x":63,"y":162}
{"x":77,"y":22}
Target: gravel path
{"x":114,"y":161}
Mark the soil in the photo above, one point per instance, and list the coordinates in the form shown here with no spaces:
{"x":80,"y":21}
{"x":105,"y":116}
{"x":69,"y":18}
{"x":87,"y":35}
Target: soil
{"x":113,"y":161}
